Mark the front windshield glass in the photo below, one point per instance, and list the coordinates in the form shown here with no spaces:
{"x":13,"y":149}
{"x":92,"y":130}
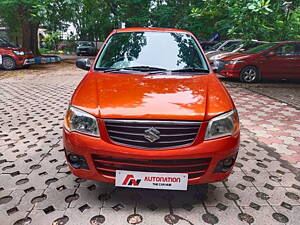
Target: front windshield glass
{"x":229,"y":44}
{"x":233,"y":46}
{"x":165,"y":50}
{"x":260,"y":48}
{"x":85,"y":44}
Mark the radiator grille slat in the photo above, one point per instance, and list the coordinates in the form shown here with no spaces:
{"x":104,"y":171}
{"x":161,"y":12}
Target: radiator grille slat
{"x":170,"y":134}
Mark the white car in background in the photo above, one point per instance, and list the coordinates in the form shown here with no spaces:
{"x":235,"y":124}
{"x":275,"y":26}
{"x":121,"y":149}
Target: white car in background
{"x":237,"y":47}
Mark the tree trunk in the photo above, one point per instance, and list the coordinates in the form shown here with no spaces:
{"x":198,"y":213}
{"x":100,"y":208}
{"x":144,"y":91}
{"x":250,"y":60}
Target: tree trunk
{"x":30,"y":36}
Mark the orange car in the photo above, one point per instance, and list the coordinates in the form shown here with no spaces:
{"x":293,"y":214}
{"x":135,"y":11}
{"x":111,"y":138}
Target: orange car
{"x":151,"y":113}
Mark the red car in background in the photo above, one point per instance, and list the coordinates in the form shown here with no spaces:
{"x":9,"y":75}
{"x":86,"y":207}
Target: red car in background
{"x":271,"y":60}
{"x":12,"y":57}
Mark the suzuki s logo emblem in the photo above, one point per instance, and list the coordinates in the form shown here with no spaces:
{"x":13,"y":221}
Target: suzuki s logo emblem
{"x":152,"y":134}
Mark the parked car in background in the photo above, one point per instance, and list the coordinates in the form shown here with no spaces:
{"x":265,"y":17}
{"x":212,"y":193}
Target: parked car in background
{"x":175,"y":125}
{"x":230,"y":50}
{"x":86,"y":48}
{"x":206,"y":45}
{"x":271,"y":60}
{"x":222,"y":45}
{"x":13,"y":57}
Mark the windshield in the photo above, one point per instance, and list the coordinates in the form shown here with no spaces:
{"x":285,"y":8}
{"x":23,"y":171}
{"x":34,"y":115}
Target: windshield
{"x":260,"y":48}
{"x":85,"y":44}
{"x":229,"y":44}
{"x":216,"y":46}
{"x":165,"y":50}
{"x":232,"y":46}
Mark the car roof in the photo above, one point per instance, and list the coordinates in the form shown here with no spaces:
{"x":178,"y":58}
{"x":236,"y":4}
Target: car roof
{"x":153,"y":29}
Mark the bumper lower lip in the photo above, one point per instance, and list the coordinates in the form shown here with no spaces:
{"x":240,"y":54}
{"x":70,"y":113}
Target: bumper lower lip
{"x":87,"y":146}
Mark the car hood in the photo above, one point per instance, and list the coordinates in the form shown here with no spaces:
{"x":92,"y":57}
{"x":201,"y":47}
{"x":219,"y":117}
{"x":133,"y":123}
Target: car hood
{"x":133,"y":96}
{"x":237,"y":56}
{"x":222,"y":55}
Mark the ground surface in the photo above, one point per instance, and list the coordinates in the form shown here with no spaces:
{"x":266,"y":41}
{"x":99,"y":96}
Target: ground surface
{"x":37,"y":188}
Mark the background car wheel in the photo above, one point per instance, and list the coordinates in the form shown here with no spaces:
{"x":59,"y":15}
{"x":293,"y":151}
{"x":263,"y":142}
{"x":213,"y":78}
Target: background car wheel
{"x":8,"y":63}
{"x":249,"y":74}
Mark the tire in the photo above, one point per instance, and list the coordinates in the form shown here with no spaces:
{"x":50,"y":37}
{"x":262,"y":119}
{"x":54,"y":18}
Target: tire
{"x":8,"y":63}
{"x":249,"y":74}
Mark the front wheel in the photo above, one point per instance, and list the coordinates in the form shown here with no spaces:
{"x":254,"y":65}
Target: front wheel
{"x":8,"y":63}
{"x":249,"y":74}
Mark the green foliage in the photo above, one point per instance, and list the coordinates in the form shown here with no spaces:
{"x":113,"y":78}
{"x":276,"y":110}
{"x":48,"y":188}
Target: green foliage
{"x":252,"y":19}
{"x":270,"y":20}
{"x":51,"y":40}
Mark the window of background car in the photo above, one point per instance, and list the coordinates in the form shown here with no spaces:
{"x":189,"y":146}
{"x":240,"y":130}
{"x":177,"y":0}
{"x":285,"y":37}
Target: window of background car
{"x":251,"y":45}
{"x":260,"y":48}
{"x":285,"y":50}
{"x":297,"y":50}
{"x":216,"y":46}
{"x":230,"y":44}
{"x":167,"y":50}
{"x":232,"y":47}
{"x":86,"y":44}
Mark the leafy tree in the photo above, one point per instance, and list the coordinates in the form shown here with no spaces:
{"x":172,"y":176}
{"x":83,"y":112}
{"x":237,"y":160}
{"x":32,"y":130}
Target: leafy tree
{"x":252,"y":19}
{"x":26,"y":16}
{"x":92,"y":19}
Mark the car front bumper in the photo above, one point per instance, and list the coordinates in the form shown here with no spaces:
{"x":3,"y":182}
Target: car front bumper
{"x":234,"y":73}
{"x":29,"y":61}
{"x":92,"y":148}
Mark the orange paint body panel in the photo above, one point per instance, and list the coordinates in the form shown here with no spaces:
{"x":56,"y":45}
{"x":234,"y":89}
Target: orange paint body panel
{"x":151,"y":97}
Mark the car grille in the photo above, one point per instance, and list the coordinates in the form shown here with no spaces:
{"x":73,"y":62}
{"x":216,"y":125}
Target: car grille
{"x":83,"y":49}
{"x":166,"y":134}
{"x":193,"y":167}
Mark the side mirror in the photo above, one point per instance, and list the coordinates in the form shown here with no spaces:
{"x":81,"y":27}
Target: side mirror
{"x":84,"y":64}
{"x":271,"y":54}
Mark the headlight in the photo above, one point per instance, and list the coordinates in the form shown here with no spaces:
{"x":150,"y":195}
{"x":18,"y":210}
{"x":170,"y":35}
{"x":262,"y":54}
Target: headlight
{"x":19,"y":52}
{"x":233,"y":62}
{"x":82,"y":122}
{"x":216,"y":57}
{"x":224,"y":125}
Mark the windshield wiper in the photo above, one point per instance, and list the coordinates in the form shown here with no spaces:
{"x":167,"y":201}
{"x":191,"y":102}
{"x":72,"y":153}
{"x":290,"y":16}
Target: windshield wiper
{"x":136,"y":68}
{"x":191,"y":70}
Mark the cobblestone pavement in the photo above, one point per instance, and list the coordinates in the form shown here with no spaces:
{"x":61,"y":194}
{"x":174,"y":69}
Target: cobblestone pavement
{"x":37,"y":188}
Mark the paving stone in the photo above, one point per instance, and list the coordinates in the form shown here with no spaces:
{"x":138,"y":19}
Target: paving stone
{"x":292,"y":215}
{"x":40,"y":217}
{"x":54,"y":198}
{"x":262,"y":216}
{"x":278,"y":195}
